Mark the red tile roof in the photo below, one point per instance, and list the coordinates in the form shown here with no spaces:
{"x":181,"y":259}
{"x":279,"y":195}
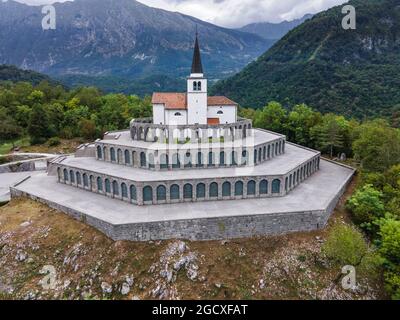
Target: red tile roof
{"x":220,"y":101}
{"x":171,"y":100}
{"x":178,"y":101}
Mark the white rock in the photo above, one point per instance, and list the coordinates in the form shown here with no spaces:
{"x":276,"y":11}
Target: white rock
{"x":106,"y":287}
{"x":25,"y":224}
{"x":21,"y":256}
{"x":125,"y":289}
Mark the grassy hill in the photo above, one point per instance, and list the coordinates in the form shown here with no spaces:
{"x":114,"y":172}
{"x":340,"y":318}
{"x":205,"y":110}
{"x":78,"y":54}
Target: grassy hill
{"x":352,"y":72}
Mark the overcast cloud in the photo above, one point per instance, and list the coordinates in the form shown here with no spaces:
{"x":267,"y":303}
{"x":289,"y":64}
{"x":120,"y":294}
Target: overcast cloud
{"x":235,"y":13}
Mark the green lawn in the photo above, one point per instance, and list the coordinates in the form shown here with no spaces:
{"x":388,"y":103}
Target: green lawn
{"x":6,"y":146}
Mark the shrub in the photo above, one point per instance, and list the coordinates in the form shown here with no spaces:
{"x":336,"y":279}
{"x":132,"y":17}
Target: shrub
{"x":366,"y":205}
{"x":55,"y":141}
{"x":345,"y":245}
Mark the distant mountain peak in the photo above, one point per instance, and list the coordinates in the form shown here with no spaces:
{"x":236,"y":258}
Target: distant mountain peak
{"x":269,"y":30}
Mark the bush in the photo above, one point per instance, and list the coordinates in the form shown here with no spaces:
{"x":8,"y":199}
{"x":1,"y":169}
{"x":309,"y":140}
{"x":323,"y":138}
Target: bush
{"x":345,"y":245}
{"x":366,"y":206}
{"x":390,"y":240}
{"x":52,"y":142}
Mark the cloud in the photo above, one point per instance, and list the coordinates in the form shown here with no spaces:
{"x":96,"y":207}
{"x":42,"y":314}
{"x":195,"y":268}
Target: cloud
{"x":235,"y":13}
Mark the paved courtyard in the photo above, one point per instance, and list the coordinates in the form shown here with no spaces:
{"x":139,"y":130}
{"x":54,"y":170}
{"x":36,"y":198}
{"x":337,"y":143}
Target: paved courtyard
{"x":9,"y":179}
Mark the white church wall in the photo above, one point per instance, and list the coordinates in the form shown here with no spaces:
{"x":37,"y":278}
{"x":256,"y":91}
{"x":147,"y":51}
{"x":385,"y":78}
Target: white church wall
{"x":228,"y":114}
{"x":158,"y":114}
{"x":176,"y":117}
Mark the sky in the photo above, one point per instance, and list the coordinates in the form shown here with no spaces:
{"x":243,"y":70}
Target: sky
{"x":235,"y":13}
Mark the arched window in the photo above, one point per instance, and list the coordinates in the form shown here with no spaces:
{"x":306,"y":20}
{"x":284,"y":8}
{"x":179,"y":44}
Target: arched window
{"x":161,"y":193}
{"x":147,"y":194}
{"x":151,"y":160}
{"x":255,"y":155}
{"x":133,"y":192}
{"x":174,"y":192}
{"x":226,"y":189}
{"x":188,"y":160}
{"x":108,"y":186}
{"x":286,"y":183}
{"x":65,"y":175}
{"x":99,"y":184}
{"x":112,"y":154}
{"x":200,"y":190}
{"x":164,"y":161}
{"x":263,"y":187}
{"x":251,"y":188}
{"x":290,"y":181}
{"x":78,"y":178}
{"x":142,"y":159}
{"x":177,"y":114}
{"x":124,"y":190}
{"x":211,"y":161}
{"x":264,"y":152}
{"x":127,"y":157}
{"x":194,"y":86}
{"x":276,"y":149}
{"x":259,"y":155}
{"x":222,"y":158}
{"x":199,"y":86}
{"x":276,"y":186}
{"x":71,"y":176}
{"x":115,"y":188}
{"x":199,"y":160}
{"x":239,"y":188}
{"x":176,"y":163}
{"x":99,"y":153}
{"x":234,"y":158}
{"x":220,"y":112}
{"x":85,"y":180}
{"x":188,"y":191}
{"x":269,"y":151}
{"x":213,"y":190}
{"x":244,"y":157}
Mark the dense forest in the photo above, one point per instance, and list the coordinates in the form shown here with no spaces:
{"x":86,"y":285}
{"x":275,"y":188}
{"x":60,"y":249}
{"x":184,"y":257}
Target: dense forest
{"x":46,"y":113}
{"x":350,"y":72}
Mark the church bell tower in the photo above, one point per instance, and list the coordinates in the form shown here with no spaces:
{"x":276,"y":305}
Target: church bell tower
{"x":197,"y":89}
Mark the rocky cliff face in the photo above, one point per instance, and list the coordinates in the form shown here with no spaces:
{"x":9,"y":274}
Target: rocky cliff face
{"x":118,"y":37}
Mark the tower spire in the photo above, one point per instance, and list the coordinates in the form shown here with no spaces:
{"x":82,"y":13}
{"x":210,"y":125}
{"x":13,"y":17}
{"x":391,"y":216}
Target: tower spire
{"x":196,"y":64}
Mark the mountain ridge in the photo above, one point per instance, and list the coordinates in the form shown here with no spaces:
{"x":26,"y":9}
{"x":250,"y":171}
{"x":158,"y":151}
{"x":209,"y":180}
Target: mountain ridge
{"x":351,"y":72}
{"x":119,"y":37}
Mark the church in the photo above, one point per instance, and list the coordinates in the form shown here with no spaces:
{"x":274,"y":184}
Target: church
{"x":193,"y":107}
